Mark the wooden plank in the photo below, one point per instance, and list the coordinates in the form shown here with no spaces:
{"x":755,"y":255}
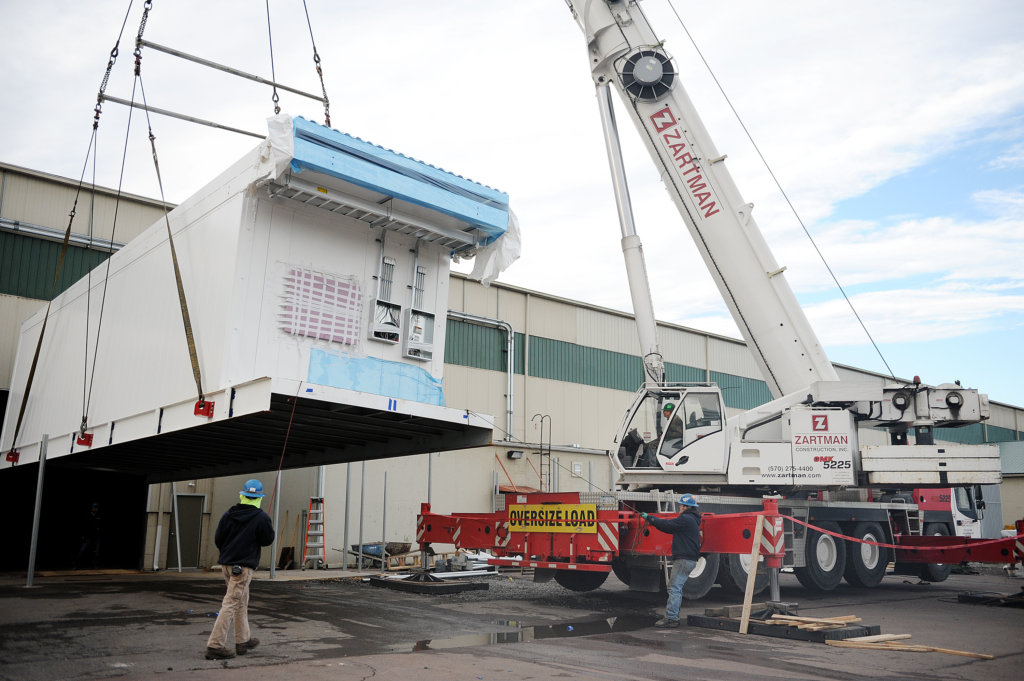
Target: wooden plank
{"x":906,"y":647}
{"x":879,"y":638}
{"x":819,"y":620}
{"x":748,"y":595}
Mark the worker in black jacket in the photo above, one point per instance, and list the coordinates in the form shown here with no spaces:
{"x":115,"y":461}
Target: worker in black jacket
{"x":685,"y":531}
{"x":242,"y":530}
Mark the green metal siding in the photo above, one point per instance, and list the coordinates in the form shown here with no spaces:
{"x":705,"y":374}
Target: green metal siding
{"x":740,"y":392}
{"x":680,"y":373}
{"x":1000,"y":434}
{"x":27,"y":265}
{"x":473,"y":345}
{"x":483,"y":348}
{"x":561,"y":361}
{"x":968,"y":435}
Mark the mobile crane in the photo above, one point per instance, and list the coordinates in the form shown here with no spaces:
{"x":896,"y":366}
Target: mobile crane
{"x":802,"y":448}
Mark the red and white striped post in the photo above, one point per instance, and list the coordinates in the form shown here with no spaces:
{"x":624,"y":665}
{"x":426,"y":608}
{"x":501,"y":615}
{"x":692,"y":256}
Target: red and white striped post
{"x":773,"y":544}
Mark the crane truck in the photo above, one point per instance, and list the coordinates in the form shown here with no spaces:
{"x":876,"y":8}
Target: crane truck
{"x":802,"y":449}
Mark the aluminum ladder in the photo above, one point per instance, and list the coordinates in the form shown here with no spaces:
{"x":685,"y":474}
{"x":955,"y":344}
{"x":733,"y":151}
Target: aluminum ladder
{"x":315,"y":550}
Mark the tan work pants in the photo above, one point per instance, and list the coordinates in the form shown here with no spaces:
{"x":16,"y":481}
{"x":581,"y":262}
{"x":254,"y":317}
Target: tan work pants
{"x":234,"y":608}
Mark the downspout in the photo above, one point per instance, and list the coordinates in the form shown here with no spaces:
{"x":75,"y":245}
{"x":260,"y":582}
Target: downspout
{"x":510,"y":339}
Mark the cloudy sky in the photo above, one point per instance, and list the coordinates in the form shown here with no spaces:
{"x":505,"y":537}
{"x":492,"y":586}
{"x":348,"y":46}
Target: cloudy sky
{"x":895,"y":128}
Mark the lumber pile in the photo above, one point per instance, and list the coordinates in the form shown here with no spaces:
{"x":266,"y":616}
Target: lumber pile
{"x":813,"y":623}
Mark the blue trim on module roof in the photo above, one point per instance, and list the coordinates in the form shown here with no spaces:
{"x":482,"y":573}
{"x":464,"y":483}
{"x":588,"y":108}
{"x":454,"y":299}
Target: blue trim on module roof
{"x":334,"y":153}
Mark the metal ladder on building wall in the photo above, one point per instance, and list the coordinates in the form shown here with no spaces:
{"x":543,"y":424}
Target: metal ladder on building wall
{"x":315,"y":550}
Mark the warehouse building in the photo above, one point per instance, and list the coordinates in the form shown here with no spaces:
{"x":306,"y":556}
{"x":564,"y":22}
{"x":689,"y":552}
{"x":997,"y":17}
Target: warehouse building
{"x":554,"y":376}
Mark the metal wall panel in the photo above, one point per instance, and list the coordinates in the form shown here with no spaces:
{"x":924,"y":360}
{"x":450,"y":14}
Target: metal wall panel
{"x":13,"y":310}
{"x":28,"y":264}
{"x":681,"y":346}
{"x":46,"y":202}
{"x":1000,"y":434}
{"x":602,"y":329}
{"x":741,"y":392}
{"x":732,"y":357}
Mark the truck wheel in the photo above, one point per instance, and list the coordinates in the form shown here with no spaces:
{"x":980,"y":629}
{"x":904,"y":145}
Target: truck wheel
{"x":621,"y":569}
{"x":703,"y":577}
{"x":935,"y":572}
{"x":825,"y":559}
{"x":732,"y":574}
{"x":865,"y":564}
{"x":584,"y":580}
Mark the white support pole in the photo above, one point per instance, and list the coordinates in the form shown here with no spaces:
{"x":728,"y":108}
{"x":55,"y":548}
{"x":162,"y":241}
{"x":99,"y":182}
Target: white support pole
{"x":362,"y":499}
{"x":277,"y":527}
{"x":348,"y":479}
{"x":36,"y":512}
{"x":384,"y":522}
{"x":177,"y":525}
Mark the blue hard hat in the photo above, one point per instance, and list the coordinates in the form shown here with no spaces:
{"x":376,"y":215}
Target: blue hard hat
{"x":252,"y":489}
{"x":688,"y":500}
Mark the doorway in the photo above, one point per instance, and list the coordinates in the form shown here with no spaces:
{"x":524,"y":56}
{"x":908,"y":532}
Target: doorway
{"x":190,"y":525}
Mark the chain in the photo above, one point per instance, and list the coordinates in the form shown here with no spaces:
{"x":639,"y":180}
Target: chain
{"x":319,"y":71}
{"x":138,"y":39}
{"x":327,"y":102}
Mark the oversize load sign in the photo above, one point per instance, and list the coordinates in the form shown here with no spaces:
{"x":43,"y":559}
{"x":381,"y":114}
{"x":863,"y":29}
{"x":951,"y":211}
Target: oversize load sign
{"x":553,"y":518}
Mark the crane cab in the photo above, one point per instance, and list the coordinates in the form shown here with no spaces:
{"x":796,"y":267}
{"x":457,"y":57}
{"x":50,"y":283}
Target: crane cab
{"x":676,"y":428}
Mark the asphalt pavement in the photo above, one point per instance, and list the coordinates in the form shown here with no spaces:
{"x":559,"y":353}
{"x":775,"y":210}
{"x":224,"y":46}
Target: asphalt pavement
{"x":332,"y":625}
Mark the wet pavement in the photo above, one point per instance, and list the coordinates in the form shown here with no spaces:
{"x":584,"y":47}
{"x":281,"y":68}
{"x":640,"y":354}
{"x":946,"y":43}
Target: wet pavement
{"x":329,"y":626}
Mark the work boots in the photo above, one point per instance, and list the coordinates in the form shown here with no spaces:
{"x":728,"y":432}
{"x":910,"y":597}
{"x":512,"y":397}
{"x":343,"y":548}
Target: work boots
{"x":665,"y":623}
{"x":220,"y":653}
{"x":243,"y":648}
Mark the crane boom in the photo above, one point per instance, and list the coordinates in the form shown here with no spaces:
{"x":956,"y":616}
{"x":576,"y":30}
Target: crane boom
{"x":626,"y":53}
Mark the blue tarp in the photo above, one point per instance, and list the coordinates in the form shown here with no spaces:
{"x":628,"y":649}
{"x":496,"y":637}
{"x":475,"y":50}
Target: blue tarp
{"x":327,"y":151}
{"x":375,"y":376}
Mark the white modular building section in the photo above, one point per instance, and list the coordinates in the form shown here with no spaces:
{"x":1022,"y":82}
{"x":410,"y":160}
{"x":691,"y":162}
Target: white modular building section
{"x":316,"y":276}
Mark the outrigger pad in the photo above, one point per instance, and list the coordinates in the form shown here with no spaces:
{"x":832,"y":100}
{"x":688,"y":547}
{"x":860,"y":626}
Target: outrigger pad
{"x":730,"y":624}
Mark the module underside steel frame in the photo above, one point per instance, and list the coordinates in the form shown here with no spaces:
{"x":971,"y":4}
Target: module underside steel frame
{"x":259,"y":425}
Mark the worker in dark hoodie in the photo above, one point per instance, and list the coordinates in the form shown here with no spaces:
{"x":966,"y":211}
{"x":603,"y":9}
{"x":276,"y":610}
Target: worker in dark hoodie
{"x":685,"y":531}
{"x":242,"y":530}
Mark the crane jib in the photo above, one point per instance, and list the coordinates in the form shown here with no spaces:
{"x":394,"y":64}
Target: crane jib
{"x":667,"y":126}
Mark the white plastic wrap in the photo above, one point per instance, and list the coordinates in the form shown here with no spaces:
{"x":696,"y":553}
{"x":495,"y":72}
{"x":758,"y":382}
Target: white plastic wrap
{"x":494,"y":258}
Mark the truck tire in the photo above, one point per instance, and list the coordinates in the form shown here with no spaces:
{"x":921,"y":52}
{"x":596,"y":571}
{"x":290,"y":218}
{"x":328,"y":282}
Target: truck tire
{"x":621,"y":569}
{"x":580,"y":580}
{"x":825,"y":559}
{"x":935,"y":572}
{"x":703,"y":577}
{"x":865,"y":564}
{"x":732,"y":574}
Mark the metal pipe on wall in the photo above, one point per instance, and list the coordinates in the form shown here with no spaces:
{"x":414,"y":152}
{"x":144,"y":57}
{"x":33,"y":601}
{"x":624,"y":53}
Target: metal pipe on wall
{"x":510,"y":360}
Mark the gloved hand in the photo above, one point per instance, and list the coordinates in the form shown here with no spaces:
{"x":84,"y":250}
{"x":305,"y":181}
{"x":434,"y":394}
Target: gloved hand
{"x":644,"y":516}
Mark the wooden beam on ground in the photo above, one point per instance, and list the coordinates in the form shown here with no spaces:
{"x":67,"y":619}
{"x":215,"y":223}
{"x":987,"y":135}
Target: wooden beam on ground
{"x":906,"y":647}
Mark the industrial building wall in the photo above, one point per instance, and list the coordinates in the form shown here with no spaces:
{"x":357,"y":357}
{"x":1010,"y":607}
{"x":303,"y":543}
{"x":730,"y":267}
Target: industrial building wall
{"x":574,"y":369}
{"x":34,"y":209}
